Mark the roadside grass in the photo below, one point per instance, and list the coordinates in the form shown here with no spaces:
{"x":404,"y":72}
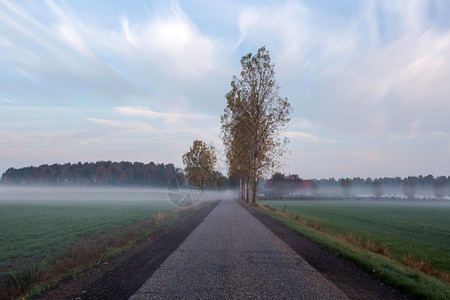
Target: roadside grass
{"x":410,"y":231}
{"x":373,"y":257}
{"x":39,"y":272}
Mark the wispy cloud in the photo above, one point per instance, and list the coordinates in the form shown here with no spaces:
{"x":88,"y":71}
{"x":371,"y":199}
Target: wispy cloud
{"x":307,"y":136}
{"x":6,"y":100}
{"x":132,"y":61}
{"x":440,"y":133}
{"x":371,"y":73}
{"x":146,"y":112}
{"x":129,"y":125}
{"x":303,"y":123}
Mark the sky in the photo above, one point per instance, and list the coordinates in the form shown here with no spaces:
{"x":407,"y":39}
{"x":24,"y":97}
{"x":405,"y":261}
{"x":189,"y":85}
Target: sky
{"x":369,"y":81}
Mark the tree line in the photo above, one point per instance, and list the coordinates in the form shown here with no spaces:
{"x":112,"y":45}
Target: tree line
{"x":282,"y":184}
{"x":103,"y":173}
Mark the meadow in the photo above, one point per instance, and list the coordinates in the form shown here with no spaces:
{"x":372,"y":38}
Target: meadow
{"x":406,"y":228}
{"x":36,"y":223}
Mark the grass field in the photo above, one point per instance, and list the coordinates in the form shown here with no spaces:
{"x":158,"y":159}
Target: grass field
{"x":39,"y":225}
{"x":418,"y":229}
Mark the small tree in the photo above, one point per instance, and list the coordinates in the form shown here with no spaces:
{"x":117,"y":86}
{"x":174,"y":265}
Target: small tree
{"x":377,"y":188}
{"x":346,"y":186}
{"x":409,"y":189}
{"x":439,"y":189}
{"x":199,"y":164}
{"x":315,"y":189}
{"x":278,"y":183}
{"x":218,"y":181}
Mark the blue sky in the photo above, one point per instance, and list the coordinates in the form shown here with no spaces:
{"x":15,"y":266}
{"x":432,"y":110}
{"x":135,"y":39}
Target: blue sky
{"x":369,"y":81}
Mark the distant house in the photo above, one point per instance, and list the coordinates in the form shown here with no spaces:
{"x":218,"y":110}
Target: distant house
{"x":307,"y":184}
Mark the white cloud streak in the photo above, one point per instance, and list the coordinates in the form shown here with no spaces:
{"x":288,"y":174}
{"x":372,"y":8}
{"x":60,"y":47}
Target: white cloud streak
{"x":10,"y":101}
{"x":146,"y":112}
{"x":374,"y":73}
{"x":303,"y":135}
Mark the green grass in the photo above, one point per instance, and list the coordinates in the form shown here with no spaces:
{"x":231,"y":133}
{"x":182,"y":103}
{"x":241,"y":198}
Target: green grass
{"x":50,"y":234}
{"x":39,"y":229}
{"x":416,"y":228}
{"x":414,"y":283}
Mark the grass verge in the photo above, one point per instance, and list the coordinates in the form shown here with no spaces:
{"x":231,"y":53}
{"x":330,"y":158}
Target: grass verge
{"x":41,"y":274}
{"x":373,"y":258}
{"x":408,"y":229}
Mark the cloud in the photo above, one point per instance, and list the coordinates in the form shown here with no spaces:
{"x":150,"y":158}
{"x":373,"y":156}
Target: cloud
{"x":129,"y":125}
{"x":173,"y":42}
{"x":307,"y":136}
{"x":146,"y":112}
{"x":302,"y":123}
{"x":164,"y":56}
{"x":370,"y":73}
{"x":171,"y":127}
{"x":285,"y":28}
{"x":440,"y":133}
{"x":6,"y":100}
{"x":396,"y":79}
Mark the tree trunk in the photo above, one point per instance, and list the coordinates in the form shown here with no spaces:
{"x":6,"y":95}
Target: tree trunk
{"x":255,"y":175}
{"x":241,"y":189}
{"x":244,"y":190}
{"x":247,"y":194}
{"x":255,"y":192}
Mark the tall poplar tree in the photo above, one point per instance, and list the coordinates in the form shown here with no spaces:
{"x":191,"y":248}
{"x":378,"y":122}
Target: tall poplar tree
{"x":254,"y":119}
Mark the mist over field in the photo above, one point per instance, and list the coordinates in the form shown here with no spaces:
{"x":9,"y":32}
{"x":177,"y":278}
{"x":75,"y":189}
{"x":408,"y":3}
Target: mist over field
{"x":33,"y":194}
{"x":53,"y":195}
{"x":422,"y":193}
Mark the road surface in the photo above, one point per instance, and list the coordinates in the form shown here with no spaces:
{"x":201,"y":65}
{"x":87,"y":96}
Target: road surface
{"x":231,"y":255}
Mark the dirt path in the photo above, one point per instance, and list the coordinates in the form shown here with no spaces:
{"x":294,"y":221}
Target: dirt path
{"x":346,"y":275}
{"x":122,"y":276}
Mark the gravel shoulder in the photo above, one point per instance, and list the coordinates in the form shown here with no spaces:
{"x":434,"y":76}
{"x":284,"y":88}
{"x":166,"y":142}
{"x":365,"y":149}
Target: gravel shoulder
{"x":346,"y":275}
{"x":122,"y":276}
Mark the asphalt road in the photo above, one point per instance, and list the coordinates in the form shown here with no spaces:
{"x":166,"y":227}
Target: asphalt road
{"x":231,"y":255}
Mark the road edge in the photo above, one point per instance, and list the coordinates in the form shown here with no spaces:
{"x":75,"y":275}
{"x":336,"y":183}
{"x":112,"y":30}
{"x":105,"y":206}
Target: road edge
{"x":346,"y":275}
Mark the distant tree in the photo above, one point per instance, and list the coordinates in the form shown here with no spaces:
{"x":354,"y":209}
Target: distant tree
{"x":199,"y":164}
{"x":346,"y":186}
{"x":278,"y":183}
{"x":409,"y":189}
{"x":295,"y":184}
{"x":448,"y":185}
{"x":315,"y":189}
{"x":377,"y":188}
{"x":220,"y":181}
{"x":428,"y":180}
{"x":439,"y":189}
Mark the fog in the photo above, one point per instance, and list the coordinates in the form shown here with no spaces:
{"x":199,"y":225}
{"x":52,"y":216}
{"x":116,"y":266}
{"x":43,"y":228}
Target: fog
{"x":41,"y":195}
{"x":182,"y":196}
{"x":392,"y":191}
{"x":364,"y":191}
